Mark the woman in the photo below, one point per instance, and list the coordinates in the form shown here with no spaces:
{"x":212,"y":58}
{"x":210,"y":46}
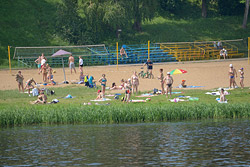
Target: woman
{"x":103,"y":82}
{"x":44,"y":72}
{"x":241,"y":78}
{"x":161,"y":78}
{"x":19,"y":79}
{"x":135,"y":82}
{"x":232,"y":74}
{"x":29,"y":85}
{"x":41,"y":99}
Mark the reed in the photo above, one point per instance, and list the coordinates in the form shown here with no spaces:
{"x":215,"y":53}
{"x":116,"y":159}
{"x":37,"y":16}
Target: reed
{"x":79,"y":114}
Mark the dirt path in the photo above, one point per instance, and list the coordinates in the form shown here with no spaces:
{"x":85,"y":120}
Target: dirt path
{"x":209,"y":74}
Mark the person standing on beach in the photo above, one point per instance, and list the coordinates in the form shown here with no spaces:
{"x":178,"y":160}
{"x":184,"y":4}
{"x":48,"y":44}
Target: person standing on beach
{"x":232,"y":74}
{"x":169,"y":82}
{"x":135,"y":82}
{"x":72,"y":63}
{"x":80,"y":64}
{"x":19,"y":79}
{"x":161,"y":78}
{"x":38,"y":62}
{"x":103,"y":82}
{"x":149,"y":64}
{"x":241,"y":78}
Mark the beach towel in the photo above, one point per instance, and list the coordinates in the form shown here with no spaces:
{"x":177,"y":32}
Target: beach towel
{"x":218,"y":100}
{"x":146,"y":95}
{"x":193,"y":98}
{"x":175,"y":100}
{"x":190,"y":86}
{"x":138,"y":101}
{"x":103,"y":99}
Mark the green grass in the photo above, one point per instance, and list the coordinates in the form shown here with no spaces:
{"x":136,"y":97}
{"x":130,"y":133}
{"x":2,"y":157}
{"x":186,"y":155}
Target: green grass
{"x":15,"y":109}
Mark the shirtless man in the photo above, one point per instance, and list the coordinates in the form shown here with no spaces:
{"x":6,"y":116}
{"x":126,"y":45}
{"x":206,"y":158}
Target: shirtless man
{"x":38,"y":62}
{"x":169,"y":82}
{"x":161,"y":78}
{"x":232,"y":74}
{"x":72,"y":64}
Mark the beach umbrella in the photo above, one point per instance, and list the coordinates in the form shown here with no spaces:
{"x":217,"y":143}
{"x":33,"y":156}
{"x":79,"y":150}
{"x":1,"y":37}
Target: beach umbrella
{"x":178,"y":71}
{"x":61,"y":53}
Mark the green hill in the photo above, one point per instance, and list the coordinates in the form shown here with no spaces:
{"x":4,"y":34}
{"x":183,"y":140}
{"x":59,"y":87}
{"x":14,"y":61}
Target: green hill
{"x":32,"y":23}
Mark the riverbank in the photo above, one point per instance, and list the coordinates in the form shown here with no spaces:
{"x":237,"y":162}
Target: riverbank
{"x":16,"y":110}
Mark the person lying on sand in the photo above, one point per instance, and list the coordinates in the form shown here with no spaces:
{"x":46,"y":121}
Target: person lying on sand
{"x":114,"y":86}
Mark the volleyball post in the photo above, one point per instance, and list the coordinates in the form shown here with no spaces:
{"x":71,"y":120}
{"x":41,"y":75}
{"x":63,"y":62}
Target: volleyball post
{"x":148,"y":49}
{"x":9,"y":58}
{"x":248,"y":49}
{"x":117,"y":55}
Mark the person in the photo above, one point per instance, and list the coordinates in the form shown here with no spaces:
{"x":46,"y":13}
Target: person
{"x":38,"y":62}
{"x":114,"y":86}
{"x":123,"y":52}
{"x":19,"y":79}
{"x":43,"y":60}
{"x":135,"y":82}
{"x":50,"y":71}
{"x":149,"y":64}
{"x":127,"y":86}
{"x":222,"y":95}
{"x":29,"y":85}
{"x":183,"y":85}
{"x":81,"y":78}
{"x":232,"y":74}
{"x":99,"y":95}
{"x":44,"y":72}
{"x":80,"y":64}
{"x":72,"y":63}
{"x":223,"y":53}
{"x":103,"y":82}
{"x":161,"y":78}
{"x":241,"y":78}
{"x":215,"y":46}
{"x":169,"y":82}
{"x":86,"y":80}
{"x":219,"y":45}
{"x":92,"y":82}
{"x":41,"y":99}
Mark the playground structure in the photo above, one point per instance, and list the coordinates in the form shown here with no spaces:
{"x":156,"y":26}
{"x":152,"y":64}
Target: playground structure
{"x":137,"y":54}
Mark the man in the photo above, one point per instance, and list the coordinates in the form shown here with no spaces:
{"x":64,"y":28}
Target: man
{"x":223,"y":53}
{"x":232,"y":74}
{"x":38,"y":62}
{"x":72,"y":64}
{"x":169,"y":82}
{"x":149,"y":67}
{"x":80,"y":64}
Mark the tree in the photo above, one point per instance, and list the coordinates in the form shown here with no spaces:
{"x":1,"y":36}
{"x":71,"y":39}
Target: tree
{"x":204,"y":9}
{"x":244,"y":25}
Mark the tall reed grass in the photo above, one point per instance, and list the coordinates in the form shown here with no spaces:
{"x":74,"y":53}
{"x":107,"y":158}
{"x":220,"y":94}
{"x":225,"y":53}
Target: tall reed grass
{"x":79,"y":114}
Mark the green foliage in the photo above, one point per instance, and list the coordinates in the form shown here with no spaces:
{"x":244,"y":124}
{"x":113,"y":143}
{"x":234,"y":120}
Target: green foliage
{"x":230,"y":7}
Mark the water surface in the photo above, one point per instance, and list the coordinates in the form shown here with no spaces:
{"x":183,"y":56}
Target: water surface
{"x":200,"y":143}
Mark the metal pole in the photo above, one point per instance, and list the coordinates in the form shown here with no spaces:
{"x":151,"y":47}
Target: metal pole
{"x":117,"y":55}
{"x":9,"y":58}
{"x":248,"y":49}
{"x":63,"y":71}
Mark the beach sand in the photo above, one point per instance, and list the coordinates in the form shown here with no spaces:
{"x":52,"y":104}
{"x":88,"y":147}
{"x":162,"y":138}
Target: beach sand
{"x":210,"y":74}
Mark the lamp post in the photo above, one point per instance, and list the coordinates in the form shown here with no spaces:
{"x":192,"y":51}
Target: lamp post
{"x":119,"y":33}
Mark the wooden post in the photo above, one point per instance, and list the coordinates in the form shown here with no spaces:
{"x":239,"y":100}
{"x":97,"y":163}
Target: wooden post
{"x":248,"y":49}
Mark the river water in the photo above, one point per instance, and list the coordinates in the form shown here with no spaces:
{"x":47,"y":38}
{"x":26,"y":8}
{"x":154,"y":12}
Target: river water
{"x":196,"y":143}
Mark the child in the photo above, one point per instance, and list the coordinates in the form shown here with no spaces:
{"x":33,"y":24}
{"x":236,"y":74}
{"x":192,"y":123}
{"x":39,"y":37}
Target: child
{"x":161,"y":78}
{"x":127,"y":90}
{"x":19,"y":79}
{"x":183,"y":84}
{"x":44,"y":72}
{"x":99,"y":94}
{"x":241,"y":78}
{"x":222,"y":95}
{"x":42,"y":99}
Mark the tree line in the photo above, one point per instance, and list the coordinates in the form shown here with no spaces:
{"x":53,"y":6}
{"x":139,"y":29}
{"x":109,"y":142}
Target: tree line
{"x":93,"y":21}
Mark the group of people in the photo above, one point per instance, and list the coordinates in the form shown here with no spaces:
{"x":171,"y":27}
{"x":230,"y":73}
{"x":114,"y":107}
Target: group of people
{"x":45,"y":69}
{"x":168,"y":81}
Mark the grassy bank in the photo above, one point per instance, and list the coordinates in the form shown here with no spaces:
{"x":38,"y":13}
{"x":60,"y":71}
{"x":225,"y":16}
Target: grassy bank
{"x":16,"y":110}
